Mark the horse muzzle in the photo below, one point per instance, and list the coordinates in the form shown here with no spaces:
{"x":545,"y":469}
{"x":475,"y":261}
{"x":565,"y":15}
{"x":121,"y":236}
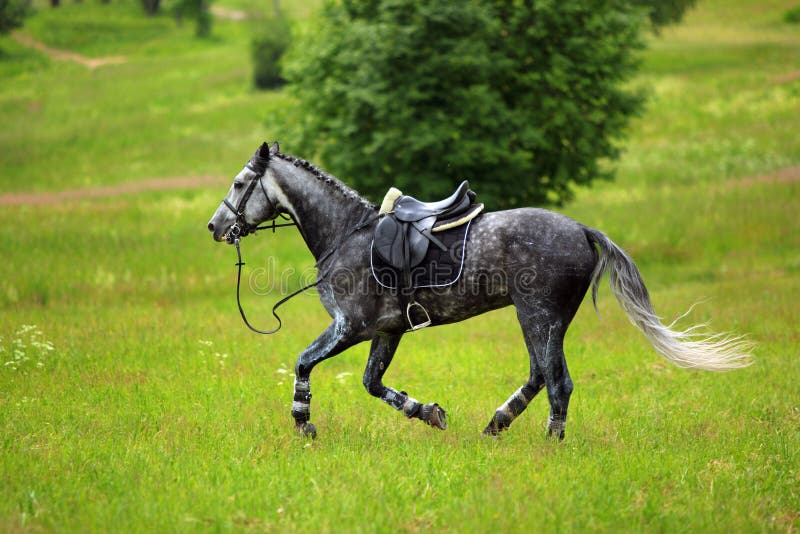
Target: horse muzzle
{"x":219,"y":234}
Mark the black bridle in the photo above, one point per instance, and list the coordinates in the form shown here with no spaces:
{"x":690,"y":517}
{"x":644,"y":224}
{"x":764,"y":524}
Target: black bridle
{"x":241,"y":228}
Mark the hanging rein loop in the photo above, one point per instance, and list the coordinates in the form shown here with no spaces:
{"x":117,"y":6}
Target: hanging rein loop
{"x":239,"y":264}
{"x":366,"y":221}
{"x":242,"y":228}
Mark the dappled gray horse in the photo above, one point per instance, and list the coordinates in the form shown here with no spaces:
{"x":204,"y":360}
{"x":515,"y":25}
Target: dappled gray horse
{"x":540,"y":261}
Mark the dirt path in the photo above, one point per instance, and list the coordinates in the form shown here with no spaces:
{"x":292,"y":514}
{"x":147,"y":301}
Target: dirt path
{"x":787,"y":175}
{"x":90,"y":193}
{"x":229,"y":14}
{"x":64,"y":55}
{"x":783,"y":176}
{"x":787,"y":78}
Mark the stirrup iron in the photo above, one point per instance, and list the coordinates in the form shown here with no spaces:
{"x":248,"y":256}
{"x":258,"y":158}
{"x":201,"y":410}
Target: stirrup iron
{"x":423,"y":324}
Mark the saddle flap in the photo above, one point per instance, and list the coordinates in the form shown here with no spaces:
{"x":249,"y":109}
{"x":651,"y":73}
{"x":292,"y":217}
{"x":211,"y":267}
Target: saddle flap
{"x":389,"y":241}
{"x":400,"y":244}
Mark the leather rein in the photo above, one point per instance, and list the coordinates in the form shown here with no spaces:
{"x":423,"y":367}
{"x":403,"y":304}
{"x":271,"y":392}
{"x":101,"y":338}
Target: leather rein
{"x":242,"y":228}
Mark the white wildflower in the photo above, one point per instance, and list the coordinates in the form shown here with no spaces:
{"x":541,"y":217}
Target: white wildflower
{"x":342,"y":377}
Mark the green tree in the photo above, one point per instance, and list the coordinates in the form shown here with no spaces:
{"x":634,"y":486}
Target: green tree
{"x":270,"y":41}
{"x":524,"y":98}
{"x":12,"y":14}
{"x":665,"y":12}
{"x":200,"y":10}
{"x":151,"y":7}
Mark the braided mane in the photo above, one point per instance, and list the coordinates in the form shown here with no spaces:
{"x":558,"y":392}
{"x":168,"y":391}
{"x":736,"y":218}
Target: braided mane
{"x":326,"y":178}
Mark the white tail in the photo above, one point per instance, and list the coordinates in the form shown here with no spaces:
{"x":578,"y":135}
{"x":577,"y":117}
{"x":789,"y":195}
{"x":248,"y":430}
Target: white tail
{"x":690,"y":348}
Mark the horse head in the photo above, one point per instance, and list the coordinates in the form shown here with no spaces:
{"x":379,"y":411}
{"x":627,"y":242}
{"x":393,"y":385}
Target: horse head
{"x":248,"y":201}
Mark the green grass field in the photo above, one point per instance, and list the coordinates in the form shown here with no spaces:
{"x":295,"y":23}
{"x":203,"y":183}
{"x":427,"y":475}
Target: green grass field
{"x":135,"y":400}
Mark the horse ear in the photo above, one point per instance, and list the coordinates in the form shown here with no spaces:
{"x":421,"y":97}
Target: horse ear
{"x":263,"y":151}
{"x":274,"y":149}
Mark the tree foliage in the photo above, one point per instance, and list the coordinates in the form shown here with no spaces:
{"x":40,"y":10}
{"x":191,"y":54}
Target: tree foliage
{"x":270,"y":42}
{"x":12,"y":14}
{"x":665,"y":12}
{"x":199,"y":10}
{"x":524,"y":98}
{"x":151,"y":7}
{"x":792,"y":15}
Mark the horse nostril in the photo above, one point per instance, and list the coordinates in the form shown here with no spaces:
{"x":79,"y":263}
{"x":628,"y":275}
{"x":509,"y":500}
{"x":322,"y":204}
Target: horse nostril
{"x":211,"y":227}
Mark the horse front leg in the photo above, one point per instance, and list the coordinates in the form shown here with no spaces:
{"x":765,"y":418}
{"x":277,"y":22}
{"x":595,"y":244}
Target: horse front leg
{"x":335,"y":339}
{"x":381,"y":353}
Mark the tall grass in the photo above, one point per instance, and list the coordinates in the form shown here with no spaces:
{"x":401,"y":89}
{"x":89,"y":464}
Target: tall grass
{"x":155,"y":410}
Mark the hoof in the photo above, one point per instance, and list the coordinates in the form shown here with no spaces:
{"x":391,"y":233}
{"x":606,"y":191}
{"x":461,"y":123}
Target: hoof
{"x":306,"y":430}
{"x":492,"y":431}
{"x":555,"y":428}
{"x":434,"y":415}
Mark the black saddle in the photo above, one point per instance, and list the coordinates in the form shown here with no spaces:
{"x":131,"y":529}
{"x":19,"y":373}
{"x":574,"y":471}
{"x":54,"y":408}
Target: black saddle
{"x":409,"y":209}
{"x":404,"y":233}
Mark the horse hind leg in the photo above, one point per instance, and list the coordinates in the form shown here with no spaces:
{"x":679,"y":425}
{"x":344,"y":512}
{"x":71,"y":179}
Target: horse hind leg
{"x":544,"y":337}
{"x":380,"y":356}
{"x":515,"y":404}
{"x":550,"y":358}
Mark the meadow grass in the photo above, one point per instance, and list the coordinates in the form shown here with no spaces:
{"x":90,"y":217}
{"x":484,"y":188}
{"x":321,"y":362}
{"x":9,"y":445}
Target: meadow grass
{"x":156,"y":409}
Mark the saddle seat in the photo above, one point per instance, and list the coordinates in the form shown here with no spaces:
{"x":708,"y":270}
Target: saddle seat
{"x":409,"y":209}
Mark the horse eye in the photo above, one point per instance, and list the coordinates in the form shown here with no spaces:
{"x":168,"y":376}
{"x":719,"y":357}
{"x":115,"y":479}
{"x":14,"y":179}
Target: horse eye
{"x":237,"y":185}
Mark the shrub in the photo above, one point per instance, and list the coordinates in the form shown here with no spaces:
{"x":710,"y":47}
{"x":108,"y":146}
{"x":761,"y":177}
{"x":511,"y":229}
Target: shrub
{"x":151,"y":7}
{"x":792,"y":16}
{"x":12,"y":14}
{"x":200,"y":10}
{"x":664,"y":12}
{"x":270,"y":42}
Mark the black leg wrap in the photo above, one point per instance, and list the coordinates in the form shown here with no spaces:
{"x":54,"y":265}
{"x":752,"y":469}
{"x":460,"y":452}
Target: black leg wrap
{"x":432,"y":413}
{"x":509,"y":411}
{"x":500,"y":422}
{"x":300,"y":416}
{"x":401,"y":401}
{"x":517,"y":404}
{"x":411,"y":407}
{"x":301,"y":407}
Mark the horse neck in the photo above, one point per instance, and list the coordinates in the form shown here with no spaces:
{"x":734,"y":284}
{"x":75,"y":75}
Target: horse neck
{"x":323,"y":208}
